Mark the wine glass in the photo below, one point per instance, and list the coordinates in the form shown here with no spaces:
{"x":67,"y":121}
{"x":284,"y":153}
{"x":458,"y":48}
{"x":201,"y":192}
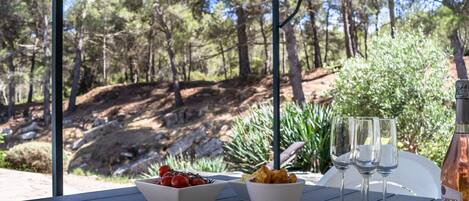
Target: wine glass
{"x":341,"y":139}
{"x":365,"y":150}
{"x":389,"y":153}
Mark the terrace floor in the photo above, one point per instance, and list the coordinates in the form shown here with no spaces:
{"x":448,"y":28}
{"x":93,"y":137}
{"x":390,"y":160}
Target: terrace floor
{"x":19,"y":185}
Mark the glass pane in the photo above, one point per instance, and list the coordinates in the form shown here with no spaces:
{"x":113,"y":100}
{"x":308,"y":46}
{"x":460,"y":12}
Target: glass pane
{"x":25,"y":51}
{"x":188,"y":84}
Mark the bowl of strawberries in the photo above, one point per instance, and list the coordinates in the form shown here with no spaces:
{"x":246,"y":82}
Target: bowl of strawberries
{"x":179,"y":186}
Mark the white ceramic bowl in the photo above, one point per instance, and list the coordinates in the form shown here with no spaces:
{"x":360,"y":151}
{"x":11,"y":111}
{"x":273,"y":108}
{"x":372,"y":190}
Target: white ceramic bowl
{"x":155,"y":192}
{"x":276,"y":192}
{"x":240,"y":188}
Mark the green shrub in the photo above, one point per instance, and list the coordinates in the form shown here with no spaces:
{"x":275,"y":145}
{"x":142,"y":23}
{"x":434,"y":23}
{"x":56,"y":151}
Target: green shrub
{"x":251,"y":146}
{"x":402,"y":78}
{"x":3,"y":163}
{"x":184,"y":163}
{"x":2,"y":154}
{"x":30,"y":156}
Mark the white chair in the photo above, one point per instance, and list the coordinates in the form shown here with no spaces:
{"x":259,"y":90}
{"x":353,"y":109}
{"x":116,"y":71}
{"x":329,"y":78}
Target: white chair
{"x":415,"y":175}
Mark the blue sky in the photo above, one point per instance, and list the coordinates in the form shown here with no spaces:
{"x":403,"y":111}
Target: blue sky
{"x":68,"y":4}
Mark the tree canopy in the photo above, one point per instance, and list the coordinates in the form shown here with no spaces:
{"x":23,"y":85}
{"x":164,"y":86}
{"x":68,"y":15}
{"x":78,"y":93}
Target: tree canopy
{"x":135,"y":41}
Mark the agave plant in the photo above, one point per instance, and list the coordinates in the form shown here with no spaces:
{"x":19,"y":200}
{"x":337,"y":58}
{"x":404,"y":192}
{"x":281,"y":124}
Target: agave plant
{"x":186,"y":163}
{"x":210,"y":165}
{"x":309,"y":123}
{"x":251,"y":146}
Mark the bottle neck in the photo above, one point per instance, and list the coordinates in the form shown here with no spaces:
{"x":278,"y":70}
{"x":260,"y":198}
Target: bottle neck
{"x":462,"y":116}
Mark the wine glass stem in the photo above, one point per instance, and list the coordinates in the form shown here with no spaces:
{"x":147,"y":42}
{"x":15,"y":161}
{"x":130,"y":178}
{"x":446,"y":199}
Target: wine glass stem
{"x":342,"y":172}
{"x":365,"y":187}
{"x":385,"y":187}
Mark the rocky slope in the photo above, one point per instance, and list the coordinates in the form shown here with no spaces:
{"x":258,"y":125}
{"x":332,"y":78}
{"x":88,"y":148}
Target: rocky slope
{"x":121,"y":129}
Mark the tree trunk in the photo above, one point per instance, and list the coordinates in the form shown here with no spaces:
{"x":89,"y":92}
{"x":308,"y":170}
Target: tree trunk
{"x":345,"y":19}
{"x":160,"y":65}
{"x":377,"y":20}
{"x":152,"y":67}
{"x":11,"y":84}
{"x":230,"y":58}
{"x":1,"y":103}
{"x":184,"y":64}
{"x":458,"y":55}
{"x":364,"y":19}
{"x":326,"y":49}
{"x":365,"y":39}
{"x":317,"y":48}
{"x":172,"y":61}
{"x":87,"y":77}
{"x":266,"y":46}
{"x":295,"y":66}
{"x":353,"y":29}
{"x":283,"y":53}
{"x":392,"y":17}
{"x":4,"y":95}
{"x":46,"y":77}
{"x":31,"y":72}
{"x":126,"y":75}
{"x":131,"y":69}
{"x":305,"y":48}
{"x":78,"y":61}
{"x":76,"y":72}
{"x":190,"y":62}
{"x":18,"y":95}
{"x":169,"y":48}
{"x":151,"y":61}
{"x":243,"y":52}
{"x":105,"y":58}
{"x":137,"y":71}
{"x":223,"y":60}
{"x":354,"y":32}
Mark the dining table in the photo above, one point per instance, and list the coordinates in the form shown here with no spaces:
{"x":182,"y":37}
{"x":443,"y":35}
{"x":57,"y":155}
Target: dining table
{"x":310,"y":193}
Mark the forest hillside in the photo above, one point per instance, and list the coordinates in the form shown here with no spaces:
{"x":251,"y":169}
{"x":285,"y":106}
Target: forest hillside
{"x":133,"y":120}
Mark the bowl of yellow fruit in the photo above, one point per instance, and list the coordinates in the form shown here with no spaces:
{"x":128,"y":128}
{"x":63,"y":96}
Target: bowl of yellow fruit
{"x":274,"y":185}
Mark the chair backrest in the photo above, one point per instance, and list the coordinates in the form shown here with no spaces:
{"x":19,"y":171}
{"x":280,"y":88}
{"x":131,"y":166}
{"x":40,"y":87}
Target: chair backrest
{"x":415,"y":175}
